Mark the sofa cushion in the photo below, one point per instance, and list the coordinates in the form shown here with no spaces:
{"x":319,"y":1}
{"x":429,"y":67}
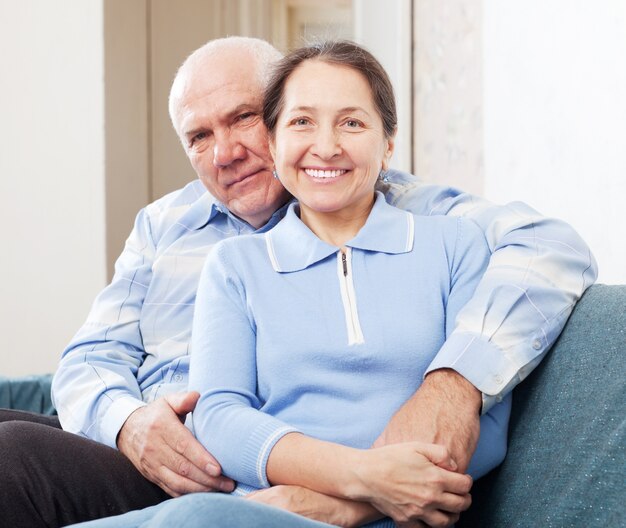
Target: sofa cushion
{"x":567,"y":437}
{"x":27,"y":393}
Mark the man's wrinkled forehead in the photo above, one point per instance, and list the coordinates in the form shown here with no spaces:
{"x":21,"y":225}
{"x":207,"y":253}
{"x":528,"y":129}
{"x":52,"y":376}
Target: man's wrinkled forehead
{"x":220,"y":82}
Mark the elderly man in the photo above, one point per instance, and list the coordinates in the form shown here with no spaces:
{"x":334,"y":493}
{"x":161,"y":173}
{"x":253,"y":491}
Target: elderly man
{"x":120,"y":387}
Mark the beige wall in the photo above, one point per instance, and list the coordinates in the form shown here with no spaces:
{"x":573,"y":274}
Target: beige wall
{"x":555,"y":116}
{"x":127,"y":119}
{"x":448,"y":93}
{"x":525,"y":101}
{"x":52,"y":217}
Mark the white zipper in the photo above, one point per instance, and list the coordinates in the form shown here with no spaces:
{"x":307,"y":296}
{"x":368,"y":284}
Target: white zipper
{"x":348,"y":297}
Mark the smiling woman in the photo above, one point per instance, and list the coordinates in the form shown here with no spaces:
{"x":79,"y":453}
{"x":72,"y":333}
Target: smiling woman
{"x":332,"y":148}
{"x":336,"y":134}
{"x":296,"y":334}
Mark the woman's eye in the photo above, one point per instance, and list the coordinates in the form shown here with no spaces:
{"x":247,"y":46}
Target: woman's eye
{"x":353,"y":123}
{"x":301,"y":121}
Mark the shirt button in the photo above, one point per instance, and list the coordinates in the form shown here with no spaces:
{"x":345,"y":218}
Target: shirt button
{"x":537,"y":344}
{"x":497,"y":379}
{"x":499,"y":398}
{"x":178,"y":377}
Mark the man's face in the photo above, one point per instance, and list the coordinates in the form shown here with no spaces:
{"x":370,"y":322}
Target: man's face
{"x":218,"y":116}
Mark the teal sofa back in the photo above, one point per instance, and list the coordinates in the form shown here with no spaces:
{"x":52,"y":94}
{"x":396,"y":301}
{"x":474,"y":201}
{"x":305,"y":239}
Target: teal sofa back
{"x":27,"y":393}
{"x":566,"y":461}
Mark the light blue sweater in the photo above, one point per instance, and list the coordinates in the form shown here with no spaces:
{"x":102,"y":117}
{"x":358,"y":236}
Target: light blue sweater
{"x":288,"y":336}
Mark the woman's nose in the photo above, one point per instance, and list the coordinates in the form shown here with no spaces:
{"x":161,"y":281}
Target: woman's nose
{"x":327,"y":143}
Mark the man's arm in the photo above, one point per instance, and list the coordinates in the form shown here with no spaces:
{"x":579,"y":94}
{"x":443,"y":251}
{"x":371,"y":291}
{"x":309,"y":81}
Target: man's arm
{"x":445,"y":410}
{"x":539,"y":268}
{"x":95,"y":387}
{"x":96,"y":391}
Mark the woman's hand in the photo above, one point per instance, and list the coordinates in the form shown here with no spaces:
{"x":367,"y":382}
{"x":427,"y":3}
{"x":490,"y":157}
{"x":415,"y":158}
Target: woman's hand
{"x":408,"y":483}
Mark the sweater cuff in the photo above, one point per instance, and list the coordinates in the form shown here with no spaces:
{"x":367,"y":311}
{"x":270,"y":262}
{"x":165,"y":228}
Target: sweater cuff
{"x":257,"y":451}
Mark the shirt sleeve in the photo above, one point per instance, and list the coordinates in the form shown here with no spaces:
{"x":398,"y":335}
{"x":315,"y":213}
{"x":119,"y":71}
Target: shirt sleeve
{"x":227,"y":419}
{"x":95,"y":387}
{"x":539,"y":268}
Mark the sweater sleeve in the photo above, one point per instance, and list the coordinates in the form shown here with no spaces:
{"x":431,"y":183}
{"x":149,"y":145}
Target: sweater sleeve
{"x":470,"y":258}
{"x":227,"y":419}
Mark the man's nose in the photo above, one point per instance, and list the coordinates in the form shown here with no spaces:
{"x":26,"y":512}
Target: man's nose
{"x":327,"y":143}
{"x":227,"y":149}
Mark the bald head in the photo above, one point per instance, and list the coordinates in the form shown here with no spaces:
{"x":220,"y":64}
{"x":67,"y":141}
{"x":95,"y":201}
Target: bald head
{"x":255,"y":55}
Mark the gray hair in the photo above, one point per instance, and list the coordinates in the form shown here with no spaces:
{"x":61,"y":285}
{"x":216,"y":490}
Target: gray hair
{"x":265,"y":56}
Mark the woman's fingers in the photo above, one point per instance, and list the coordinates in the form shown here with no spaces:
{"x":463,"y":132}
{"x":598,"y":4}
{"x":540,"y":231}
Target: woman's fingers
{"x":437,"y":454}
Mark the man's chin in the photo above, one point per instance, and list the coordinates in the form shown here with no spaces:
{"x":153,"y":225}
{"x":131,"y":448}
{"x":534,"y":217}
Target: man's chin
{"x":257,"y":206}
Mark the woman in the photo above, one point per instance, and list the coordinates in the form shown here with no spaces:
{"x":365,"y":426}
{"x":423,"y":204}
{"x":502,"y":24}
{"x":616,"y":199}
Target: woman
{"x":309,"y":337}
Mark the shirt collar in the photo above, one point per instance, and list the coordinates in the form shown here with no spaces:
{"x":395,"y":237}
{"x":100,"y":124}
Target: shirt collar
{"x":292,"y":246}
{"x":207,"y":207}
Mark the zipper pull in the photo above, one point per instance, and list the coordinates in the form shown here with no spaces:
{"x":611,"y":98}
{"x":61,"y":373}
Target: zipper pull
{"x":344,"y":261}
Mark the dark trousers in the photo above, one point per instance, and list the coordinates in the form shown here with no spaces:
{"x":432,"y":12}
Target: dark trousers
{"x":49,"y":477}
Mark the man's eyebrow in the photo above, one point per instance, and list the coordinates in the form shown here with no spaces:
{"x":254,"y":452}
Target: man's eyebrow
{"x":239,"y":109}
{"x":244,"y":107}
{"x":192,"y":132}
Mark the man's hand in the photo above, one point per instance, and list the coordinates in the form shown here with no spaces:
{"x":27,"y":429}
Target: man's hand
{"x":317,"y":506}
{"x":322,"y":508}
{"x":445,"y":411}
{"x":158,"y":444}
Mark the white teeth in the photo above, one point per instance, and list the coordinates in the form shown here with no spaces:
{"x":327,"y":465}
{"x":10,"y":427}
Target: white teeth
{"x":324,"y":173}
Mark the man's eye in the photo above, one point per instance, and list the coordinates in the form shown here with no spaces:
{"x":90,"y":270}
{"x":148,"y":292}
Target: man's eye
{"x":198,"y":137}
{"x":244,"y":116}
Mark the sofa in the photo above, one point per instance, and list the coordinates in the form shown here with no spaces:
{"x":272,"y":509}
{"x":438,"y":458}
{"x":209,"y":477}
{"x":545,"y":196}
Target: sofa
{"x":566,"y":462}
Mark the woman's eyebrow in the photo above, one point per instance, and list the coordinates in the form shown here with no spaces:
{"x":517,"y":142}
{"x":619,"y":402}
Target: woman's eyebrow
{"x":345,"y":110}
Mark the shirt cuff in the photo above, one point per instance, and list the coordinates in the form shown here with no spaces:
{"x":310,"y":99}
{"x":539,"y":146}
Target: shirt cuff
{"x":480,"y":362}
{"x":115,"y":417}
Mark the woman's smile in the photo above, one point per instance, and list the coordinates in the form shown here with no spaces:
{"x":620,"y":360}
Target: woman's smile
{"x":325,"y":173}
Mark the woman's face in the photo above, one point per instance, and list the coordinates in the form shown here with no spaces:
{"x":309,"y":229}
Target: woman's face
{"x":328,"y":144}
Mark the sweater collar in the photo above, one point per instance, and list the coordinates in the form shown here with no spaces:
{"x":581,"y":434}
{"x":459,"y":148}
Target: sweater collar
{"x":292,"y":246}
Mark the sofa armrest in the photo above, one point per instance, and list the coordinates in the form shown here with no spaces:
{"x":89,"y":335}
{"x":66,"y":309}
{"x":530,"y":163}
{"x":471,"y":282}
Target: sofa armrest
{"x":567,"y":435}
